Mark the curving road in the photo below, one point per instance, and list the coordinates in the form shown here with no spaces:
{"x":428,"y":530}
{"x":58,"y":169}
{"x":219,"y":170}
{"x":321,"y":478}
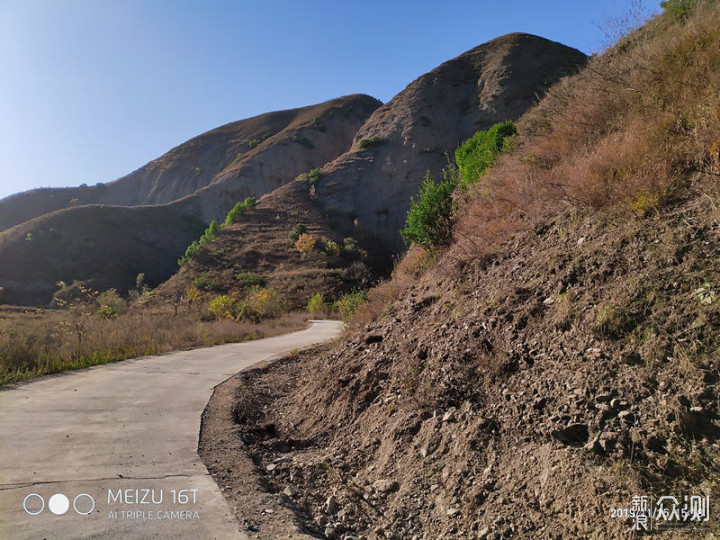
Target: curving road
{"x":117,"y":445}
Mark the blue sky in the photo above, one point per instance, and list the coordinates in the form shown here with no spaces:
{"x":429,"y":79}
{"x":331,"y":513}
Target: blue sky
{"x":93,"y":89}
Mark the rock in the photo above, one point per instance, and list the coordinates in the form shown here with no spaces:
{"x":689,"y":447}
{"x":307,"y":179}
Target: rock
{"x":330,"y":531}
{"x":385,"y":486}
{"x":290,"y":491}
{"x":574,"y":434}
{"x":483,"y":533}
{"x":373,"y":338}
{"x":330,"y":505}
{"x":452,"y":511}
{"x":271,"y":467}
{"x":449,"y":416}
{"x":627,"y":416}
{"x":594,"y":445}
{"x":603,"y":398}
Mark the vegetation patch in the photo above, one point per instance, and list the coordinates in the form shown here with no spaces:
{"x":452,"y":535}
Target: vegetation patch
{"x":371,"y":142}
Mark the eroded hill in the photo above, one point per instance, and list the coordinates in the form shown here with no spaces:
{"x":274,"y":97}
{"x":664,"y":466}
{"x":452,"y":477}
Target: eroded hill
{"x":196,"y":182}
{"x":364,"y":194}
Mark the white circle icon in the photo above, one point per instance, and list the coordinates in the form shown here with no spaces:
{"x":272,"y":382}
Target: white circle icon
{"x":86,"y":506}
{"x":58,"y":504}
{"x":33,"y":510}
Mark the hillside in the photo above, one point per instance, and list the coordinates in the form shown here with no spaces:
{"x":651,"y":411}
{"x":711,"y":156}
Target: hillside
{"x":243,"y":158}
{"x":199,"y":181}
{"x":119,"y":244}
{"x":372,"y":184}
{"x":365,"y":193}
{"x":259,"y":246}
{"x":557,"y":359}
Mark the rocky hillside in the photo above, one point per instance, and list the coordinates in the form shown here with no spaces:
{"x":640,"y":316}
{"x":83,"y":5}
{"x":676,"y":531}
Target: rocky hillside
{"x":365,"y":193}
{"x":558,"y":359}
{"x":245,"y":158}
{"x":372,"y":184}
{"x":204,"y":178}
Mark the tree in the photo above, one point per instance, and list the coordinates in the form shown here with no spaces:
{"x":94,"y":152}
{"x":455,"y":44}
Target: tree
{"x":430,"y":220}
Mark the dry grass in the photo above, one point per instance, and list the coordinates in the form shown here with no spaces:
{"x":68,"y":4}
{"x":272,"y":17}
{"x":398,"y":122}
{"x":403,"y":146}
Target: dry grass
{"x":36,"y":342}
{"x":623,"y":135}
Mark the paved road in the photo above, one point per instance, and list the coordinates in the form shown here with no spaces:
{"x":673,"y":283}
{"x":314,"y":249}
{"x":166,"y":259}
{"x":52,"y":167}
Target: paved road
{"x":122,"y":438}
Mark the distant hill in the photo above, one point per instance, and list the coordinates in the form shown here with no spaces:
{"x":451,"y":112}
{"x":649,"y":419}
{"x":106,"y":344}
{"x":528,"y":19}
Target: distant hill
{"x":170,"y":199}
{"x":101,"y":246}
{"x":243,"y":158}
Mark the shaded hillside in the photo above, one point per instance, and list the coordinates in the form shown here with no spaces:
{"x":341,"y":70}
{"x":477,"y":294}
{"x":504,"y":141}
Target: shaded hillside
{"x":243,"y":158}
{"x":119,"y":244}
{"x":372,"y":184}
{"x":559,"y":359}
{"x":259,"y":245}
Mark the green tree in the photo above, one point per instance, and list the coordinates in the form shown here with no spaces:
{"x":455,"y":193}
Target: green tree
{"x":429,"y":221}
{"x":239,"y":210}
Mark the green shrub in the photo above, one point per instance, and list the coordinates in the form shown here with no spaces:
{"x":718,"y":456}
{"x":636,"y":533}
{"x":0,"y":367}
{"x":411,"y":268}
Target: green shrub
{"x":350,"y":244}
{"x":296,"y":232}
{"x":348,"y":304}
{"x":314,"y":175}
{"x":260,"y":304}
{"x":190,"y":253}
{"x":248,"y":279}
{"x":371,"y":142}
{"x":193,"y":249}
{"x":316,"y":306}
{"x":224,"y":307}
{"x":332,"y":248}
{"x":430,"y":220}
{"x":239,"y":210}
{"x":204,"y":282}
{"x":481,"y":150}
{"x":110,"y":304}
{"x":253,"y":143}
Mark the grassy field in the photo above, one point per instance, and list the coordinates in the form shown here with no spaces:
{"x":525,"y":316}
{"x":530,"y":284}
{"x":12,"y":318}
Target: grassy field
{"x":35,"y":342}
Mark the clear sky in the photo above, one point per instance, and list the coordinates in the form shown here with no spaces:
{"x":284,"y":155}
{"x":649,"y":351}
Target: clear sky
{"x":93,"y":89}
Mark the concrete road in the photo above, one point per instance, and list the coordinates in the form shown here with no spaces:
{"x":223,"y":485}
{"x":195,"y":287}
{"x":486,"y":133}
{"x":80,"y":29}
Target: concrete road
{"x":111,"y":451}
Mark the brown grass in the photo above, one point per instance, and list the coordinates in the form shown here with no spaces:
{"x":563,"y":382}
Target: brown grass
{"x":622,"y":136}
{"x":36,"y":342}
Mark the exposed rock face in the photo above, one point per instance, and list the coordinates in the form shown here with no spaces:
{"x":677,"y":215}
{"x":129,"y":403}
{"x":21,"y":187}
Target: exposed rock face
{"x":237,"y":160}
{"x":491,"y":83}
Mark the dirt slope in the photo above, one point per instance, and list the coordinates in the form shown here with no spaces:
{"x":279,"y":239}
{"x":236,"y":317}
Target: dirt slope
{"x":259,"y":244}
{"x":524,"y":398}
{"x":243,"y":158}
